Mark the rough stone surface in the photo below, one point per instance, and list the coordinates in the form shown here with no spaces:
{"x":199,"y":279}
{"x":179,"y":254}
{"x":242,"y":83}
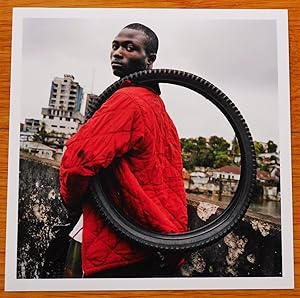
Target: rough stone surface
{"x":40,"y":209}
{"x":253,"y":248}
{"x":236,"y":247}
{"x":246,"y":251}
{"x":261,"y":226}
{"x":206,"y":210}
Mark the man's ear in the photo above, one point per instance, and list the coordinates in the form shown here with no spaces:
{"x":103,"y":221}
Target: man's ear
{"x":150,"y":59}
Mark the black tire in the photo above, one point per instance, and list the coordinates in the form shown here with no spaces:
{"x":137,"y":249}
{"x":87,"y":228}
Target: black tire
{"x":225,"y":222}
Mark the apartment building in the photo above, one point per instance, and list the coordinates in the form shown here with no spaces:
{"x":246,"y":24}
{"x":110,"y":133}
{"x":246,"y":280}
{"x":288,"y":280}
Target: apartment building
{"x":63,"y":112}
{"x":31,"y":125}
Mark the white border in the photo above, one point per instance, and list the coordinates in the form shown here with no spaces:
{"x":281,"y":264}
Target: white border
{"x":286,"y":281}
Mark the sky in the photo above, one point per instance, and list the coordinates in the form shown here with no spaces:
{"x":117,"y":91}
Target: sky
{"x":238,"y":55}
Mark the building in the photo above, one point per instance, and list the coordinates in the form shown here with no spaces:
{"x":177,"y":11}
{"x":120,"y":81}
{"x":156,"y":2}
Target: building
{"x":228,"y":172}
{"x":92,"y":101}
{"x":38,"y":149}
{"x":31,"y":125}
{"x":63,"y":112}
{"x":26,"y":136}
{"x":29,"y":129}
{"x":227,"y":178}
{"x":268,"y":158}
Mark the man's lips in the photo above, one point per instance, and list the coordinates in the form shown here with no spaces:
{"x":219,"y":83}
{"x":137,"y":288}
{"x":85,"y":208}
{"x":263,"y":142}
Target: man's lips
{"x":116,"y":64}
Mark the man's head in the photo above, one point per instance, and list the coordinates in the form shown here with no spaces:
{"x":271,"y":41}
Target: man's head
{"x":133,"y":49}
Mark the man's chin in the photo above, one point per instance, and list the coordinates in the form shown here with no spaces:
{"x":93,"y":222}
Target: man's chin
{"x":119,"y":73}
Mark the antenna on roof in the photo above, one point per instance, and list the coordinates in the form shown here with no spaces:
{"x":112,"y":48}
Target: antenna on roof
{"x":93,"y":79}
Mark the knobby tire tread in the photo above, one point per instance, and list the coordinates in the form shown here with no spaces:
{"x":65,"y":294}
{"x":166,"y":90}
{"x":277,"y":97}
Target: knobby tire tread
{"x":236,"y":209}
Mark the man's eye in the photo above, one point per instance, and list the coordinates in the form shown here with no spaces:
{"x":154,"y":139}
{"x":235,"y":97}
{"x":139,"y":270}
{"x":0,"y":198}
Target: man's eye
{"x":114,"y":47}
{"x":129,"y":48}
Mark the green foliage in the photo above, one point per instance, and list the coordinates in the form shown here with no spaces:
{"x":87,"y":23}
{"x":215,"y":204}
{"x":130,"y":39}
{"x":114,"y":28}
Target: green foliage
{"x":218,"y":144}
{"x":222,"y":159}
{"x":41,"y":135}
{"x":216,"y":152}
{"x":213,"y":153}
{"x":259,"y":148}
{"x":49,"y":138}
{"x":263,"y":167}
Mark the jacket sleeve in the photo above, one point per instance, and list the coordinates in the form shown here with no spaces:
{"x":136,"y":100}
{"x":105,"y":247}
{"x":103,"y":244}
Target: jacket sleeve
{"x":115,"y":129}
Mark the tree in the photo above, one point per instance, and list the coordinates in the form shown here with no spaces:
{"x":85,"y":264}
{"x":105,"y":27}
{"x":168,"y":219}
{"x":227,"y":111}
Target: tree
{"x":192,"y":150}
{"x":218,"y":144}
{"x":259,"y":148}
{"x":235,"y":147}
{"x":272,"y":147}
{"x":205,"y":158}
{"x":199,"y":152}
{"x":222,"y":159}
{"x":41,"y":135}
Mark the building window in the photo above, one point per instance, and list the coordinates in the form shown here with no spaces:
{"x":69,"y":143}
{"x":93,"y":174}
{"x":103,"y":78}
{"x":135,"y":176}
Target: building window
{"x":51,"y":117}
{"x":67,"y":119}
{"x":53,"y":125}
{"x":62,"y":126}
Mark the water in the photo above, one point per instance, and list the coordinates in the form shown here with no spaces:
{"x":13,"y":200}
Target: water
{"x":266,"y":207}
{"x":260,"y":205}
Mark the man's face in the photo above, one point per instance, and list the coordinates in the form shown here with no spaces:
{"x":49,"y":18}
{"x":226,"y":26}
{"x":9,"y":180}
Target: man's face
{"x":128,"y":53}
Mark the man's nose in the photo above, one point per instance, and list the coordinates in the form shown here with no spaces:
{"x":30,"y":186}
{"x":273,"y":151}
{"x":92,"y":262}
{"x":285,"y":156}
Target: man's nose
{"x":118,"y":52}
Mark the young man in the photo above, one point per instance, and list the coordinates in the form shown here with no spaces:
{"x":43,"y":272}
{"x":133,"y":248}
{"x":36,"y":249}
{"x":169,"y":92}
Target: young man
{"x":133,"y":144}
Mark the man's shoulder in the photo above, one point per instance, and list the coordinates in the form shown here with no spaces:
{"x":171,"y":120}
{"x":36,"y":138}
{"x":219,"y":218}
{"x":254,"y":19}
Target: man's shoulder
{"x":134,"y":90}
{"x":130,"y":98}
{"x":125,"y":99}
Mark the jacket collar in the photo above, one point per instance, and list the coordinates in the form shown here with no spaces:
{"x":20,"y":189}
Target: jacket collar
{"x":152,"y":86}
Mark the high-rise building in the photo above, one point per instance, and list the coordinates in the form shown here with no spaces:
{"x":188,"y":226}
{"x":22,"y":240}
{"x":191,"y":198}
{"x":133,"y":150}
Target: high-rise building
{"x":63,"y":112}
{"x":93,"y":101}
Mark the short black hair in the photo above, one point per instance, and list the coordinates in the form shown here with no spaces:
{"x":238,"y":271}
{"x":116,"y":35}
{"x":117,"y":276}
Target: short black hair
{"x":151,"y":45}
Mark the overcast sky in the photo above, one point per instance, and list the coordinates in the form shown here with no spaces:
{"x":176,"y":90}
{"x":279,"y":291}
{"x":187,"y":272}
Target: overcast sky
{"x":238,"y":55}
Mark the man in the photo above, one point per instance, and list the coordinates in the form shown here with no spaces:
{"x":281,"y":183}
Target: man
{"x":133,"y":144}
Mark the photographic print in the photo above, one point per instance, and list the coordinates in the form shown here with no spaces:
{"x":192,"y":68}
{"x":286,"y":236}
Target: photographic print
{"x":223,"y":80}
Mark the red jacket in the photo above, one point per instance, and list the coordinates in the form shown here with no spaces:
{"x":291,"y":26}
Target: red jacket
{"x":134,"y":145}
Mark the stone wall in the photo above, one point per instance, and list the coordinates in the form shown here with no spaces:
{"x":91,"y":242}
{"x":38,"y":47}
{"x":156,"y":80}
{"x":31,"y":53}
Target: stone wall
{"x":253,"y":248}
{"x":39,"y":210}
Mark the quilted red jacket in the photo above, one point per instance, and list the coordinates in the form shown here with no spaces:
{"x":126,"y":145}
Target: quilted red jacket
{"x":132,"y":142}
